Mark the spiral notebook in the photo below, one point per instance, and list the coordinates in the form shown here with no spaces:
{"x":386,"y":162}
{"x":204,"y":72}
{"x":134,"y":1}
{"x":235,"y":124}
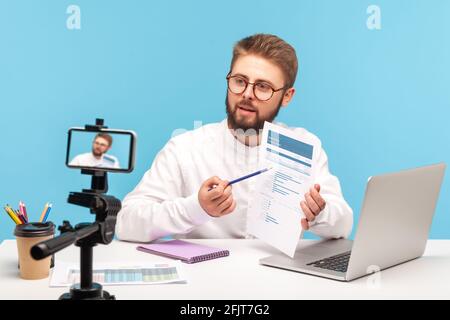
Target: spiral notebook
{"x":185,"y":251}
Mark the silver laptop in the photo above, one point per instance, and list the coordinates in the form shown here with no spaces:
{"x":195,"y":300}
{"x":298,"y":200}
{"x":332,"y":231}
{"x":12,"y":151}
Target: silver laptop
{"x":393,"y":228}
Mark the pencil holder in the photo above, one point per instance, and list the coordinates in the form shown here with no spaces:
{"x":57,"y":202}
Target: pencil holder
{"x":27,"y":235}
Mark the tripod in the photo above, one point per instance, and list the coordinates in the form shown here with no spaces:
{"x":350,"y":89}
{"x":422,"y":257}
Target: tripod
{"x":86,"y":235}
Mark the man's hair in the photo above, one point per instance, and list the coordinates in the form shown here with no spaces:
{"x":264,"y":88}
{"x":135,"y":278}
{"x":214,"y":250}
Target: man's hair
{"x":272,"y":48}
{"x":105,"y":136}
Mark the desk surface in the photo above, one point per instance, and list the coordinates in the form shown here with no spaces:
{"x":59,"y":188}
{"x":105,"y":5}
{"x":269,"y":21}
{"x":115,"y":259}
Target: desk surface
{"x":240,"y":276}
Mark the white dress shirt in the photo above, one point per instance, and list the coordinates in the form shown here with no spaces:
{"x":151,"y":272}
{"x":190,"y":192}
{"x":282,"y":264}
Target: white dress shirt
{"x":165,"y":202}
{"x":89,"y":160}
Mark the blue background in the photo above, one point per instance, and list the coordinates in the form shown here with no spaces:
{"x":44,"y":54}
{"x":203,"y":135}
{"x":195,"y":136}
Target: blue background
{"x":378,"y":99}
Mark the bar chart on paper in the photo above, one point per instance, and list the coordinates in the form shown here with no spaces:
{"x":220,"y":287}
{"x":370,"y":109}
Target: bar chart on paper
{"x":108,"y":276}
{"x":65,"y":274}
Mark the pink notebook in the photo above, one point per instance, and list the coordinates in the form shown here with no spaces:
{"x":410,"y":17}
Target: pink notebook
{"x":185,"y":251}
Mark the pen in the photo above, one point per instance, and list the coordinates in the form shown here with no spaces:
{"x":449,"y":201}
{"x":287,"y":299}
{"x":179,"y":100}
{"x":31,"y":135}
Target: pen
{"x":43,"y":212}
{"x":12,"y":215}
{"x":245,"y":177}
{"x":48,"y":212}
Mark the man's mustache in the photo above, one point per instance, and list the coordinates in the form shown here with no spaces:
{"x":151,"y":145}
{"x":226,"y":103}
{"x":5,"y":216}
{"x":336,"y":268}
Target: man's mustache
{"x":246,"y":105}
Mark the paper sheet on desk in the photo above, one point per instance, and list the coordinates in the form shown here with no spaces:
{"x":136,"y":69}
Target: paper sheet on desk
{"x":65,"y":274}
{"x":274,"y":212}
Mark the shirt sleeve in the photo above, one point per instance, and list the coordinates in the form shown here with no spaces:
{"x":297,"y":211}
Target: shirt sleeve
{"x":336,"y":220}
{"x":157,"y":207}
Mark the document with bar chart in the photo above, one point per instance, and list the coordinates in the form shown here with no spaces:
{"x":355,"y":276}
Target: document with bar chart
{"x":274,"y":211}
{"x":66,"y":274}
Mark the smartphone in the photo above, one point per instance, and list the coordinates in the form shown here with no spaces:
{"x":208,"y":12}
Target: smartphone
{"x":110,"y":150}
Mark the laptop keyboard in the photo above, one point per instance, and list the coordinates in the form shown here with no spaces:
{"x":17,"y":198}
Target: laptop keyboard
{"x":337,"y":263}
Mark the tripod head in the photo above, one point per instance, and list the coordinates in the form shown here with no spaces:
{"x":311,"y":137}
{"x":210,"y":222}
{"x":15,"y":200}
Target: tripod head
{"x":87,"y":235}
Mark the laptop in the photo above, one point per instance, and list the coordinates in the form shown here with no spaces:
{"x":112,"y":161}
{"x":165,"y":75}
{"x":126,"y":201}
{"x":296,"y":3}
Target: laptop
{"x":393,"y":228}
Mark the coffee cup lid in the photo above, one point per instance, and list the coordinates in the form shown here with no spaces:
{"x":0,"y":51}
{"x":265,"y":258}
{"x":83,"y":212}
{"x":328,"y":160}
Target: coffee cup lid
{"x":34,"y":229}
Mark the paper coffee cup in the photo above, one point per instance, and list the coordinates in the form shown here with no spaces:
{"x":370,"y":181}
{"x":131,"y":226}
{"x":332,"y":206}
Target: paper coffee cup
{"x":27,"y":235}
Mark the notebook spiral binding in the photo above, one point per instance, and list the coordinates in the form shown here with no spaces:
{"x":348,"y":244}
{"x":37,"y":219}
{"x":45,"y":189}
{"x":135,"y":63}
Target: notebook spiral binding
{"x":210,"y":256}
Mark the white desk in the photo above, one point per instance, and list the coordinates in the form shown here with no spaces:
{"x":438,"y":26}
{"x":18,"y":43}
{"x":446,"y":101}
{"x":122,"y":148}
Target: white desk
{"x":239,"y":276}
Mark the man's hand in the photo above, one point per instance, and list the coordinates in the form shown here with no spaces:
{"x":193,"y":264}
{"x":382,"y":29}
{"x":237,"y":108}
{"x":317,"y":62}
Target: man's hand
{"x":312,"y":206}
{"x":215,"y":197}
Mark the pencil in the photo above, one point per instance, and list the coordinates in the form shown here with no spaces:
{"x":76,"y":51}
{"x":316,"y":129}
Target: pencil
{"x":48,"y":212}
{"x":12,"y":215}
{"x":21,"y":216}
{"x":249,"y":175}
{"x":23,"y":210}
{"x":245,"y":177}
{"x":43,"y":212}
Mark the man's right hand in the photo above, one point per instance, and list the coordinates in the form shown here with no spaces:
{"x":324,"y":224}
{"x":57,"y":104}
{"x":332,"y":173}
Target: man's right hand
{"x":215,"y":197}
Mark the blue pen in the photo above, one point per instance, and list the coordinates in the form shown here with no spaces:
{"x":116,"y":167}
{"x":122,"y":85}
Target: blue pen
{"x":245,"y":177}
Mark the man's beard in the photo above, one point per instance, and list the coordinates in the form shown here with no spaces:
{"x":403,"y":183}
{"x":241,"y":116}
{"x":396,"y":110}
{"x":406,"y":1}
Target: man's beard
{"x":96,"y":154}
{"x":248,"y":126}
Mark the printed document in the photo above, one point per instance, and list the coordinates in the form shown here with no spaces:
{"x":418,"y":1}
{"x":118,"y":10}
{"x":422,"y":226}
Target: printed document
{"x":67,"y":274}
{"x":274,"y":211}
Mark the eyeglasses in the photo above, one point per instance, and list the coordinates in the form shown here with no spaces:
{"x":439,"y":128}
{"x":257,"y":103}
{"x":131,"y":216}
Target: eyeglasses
{"x":100,"y":144}
{"x":262,"y":90}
